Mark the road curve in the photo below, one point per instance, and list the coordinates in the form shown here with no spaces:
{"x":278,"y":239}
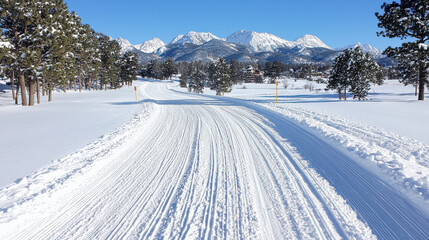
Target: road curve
{"x":211,"y":167}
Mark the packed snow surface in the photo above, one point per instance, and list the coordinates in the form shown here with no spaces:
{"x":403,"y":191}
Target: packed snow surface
{"x":32,"y":137}
{"x":203,"y":167}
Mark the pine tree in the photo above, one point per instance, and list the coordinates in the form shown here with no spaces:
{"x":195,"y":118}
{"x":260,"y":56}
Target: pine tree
{"x":6,"y":61}
{"x":276,"y":69}
{"x":197,"y":79}
{"x":339,"y":76}
{"x":408,"y":19}
{"x":109,"y":55}
{"x":360,"y":73}
{"x":168,"y":68}
{"x":220,"y":77}
{"x":129,"y":64}
{"x":268,"y":69}
{"x":185,"y":74}
{"x":355,"y":70}
{"x":236,"y":71}
{"x":19,"y":24}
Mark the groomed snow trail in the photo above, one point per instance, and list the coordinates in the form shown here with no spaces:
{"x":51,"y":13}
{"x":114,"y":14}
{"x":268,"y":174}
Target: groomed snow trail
{"x":208,"y":168}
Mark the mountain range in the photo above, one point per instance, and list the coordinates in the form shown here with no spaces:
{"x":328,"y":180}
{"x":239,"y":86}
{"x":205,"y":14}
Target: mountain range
{"x":244,"y":46}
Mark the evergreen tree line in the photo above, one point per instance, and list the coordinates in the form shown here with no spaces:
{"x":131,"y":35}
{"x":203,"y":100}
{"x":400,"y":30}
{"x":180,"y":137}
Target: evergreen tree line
{"x":354,"y":71}
{"x":218,"y":76}
{"x":49,"y":48}
{"x":159,"y":70}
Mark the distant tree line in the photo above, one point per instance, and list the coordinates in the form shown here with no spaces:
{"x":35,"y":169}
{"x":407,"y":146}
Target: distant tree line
{"x":159,"y":70}
{"x":45,"y":47}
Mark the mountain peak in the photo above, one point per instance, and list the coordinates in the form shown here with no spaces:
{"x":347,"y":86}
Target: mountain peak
{"x":260,"y":42}
{"x":311,"y":41}
{"x":366,"y":48}
{"x":125,"y":44}
{"x":122,"y":40}
{"x":197,"y":38}
{"x":150,"y":46}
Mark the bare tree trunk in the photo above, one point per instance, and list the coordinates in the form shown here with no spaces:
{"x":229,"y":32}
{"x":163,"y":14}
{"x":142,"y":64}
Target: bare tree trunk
{"x":49,"y":92}
{"x":12,"y":83}
{"x":74,"y":83}
{"x":43,"y":87}
{"x":23,"y":92}
{"x":345,"y":93}
{"x":17,"y":93}
{"x":422,"y":79}
{"x":32,"y":91}
{"x":80,"y":83}
{"x":38,"y":91}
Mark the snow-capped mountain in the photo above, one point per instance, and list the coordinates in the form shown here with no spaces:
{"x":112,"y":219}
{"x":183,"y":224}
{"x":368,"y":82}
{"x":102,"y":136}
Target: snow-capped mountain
{"x":177,"y":38}
{"x":310,"y":41}
{"x":266,"y":42}
{"x":197,"y":38}
{"x":366,"y":48}
{"x":150,"y":46}
{"x":260,"y":42}
{"x":245,"y":46}
{"x":125,"y":45}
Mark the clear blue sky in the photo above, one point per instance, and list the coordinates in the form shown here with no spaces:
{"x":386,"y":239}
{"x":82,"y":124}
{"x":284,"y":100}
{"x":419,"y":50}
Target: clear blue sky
{"x":336,"y":22}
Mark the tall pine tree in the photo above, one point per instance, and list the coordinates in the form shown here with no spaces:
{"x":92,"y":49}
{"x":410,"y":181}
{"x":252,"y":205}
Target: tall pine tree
{"x":408,"y":19}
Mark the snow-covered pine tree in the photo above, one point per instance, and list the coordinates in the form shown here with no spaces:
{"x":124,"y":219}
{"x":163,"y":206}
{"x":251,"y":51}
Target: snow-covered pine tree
{"x":221,"y":80}
{"x":19,"y":26}
{"x":95,"y":61}
{"x":409,"y":70}
{"x":268,"y":69}
{"x":212,"y":75}
{"x":355,"y":70}
{"x":168,"y":68}
{"x":129,"y":64}
{"x":84,"y":53}
{"x":276,"y":69}
{"x":408,"y":19}
{"x":197,"y":80}
{"x":110,"y":53}
{"x":55,"y":47}
{"x":339,"y":75}
{"x":6,"y":61}
{"x":236,"y":71}
{"x":186,"y":72}
{"x":360,"y":72}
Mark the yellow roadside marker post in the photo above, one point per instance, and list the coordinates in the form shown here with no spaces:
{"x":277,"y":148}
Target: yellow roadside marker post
{"x":277,"y":86}
{"x":135,"y":90}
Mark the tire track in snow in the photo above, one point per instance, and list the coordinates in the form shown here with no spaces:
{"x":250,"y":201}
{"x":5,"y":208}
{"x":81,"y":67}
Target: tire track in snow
{"x":202,"y":168}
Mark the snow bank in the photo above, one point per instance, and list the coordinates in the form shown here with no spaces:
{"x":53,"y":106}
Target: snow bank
{"x":404,"y":161}
{"x":18,"y":196}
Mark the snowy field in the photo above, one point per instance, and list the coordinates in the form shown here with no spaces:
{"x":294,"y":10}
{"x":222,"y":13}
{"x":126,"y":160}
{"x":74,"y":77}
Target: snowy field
{"x":179,"y":165}
{"x":32,"y":137}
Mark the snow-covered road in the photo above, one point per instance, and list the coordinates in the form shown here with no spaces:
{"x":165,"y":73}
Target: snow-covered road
{"x":205,"y":167}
